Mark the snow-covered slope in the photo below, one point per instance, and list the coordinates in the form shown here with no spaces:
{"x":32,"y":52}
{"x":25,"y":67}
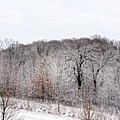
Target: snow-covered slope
{"x":40,"y":116}
{"x":47,"y":111}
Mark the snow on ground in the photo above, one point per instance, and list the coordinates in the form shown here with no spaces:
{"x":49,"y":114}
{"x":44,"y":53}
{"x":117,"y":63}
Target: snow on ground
{"x":40,"y":116}
{"x":32,"y":110}
{"x":27,"y":115}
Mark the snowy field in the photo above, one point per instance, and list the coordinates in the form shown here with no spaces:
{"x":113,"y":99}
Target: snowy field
{"x":25,"y":115}
{"x":38,"y":116}
{"x":45,"y":111}
{"x":36,"y":110}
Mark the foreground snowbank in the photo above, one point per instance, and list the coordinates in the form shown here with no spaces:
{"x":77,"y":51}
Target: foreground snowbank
{"x":32,"y":110}
{"x":40,"y":116}
{"x":27,"y":115}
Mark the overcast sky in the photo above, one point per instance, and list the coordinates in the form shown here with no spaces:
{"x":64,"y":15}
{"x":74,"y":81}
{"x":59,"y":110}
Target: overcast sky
{"x":31,"y":20}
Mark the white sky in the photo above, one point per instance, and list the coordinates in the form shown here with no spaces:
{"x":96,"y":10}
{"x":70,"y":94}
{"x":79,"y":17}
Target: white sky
{"x":31,"y":20}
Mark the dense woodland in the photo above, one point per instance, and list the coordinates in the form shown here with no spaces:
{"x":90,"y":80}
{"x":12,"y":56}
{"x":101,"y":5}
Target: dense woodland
{"x":72,"y":72}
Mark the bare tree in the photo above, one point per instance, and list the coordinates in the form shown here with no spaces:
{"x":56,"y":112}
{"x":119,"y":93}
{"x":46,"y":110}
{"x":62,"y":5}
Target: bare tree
{"x":7,"y":79}
{"x":79,"y":56}
{"x":8,"y":105}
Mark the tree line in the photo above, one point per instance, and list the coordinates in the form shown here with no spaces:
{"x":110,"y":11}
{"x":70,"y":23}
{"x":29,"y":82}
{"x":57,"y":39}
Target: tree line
{"x":74,"y":72}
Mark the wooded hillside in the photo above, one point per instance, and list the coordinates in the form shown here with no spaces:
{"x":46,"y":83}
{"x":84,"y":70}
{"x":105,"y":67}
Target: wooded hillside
{"x":70,"y":71}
